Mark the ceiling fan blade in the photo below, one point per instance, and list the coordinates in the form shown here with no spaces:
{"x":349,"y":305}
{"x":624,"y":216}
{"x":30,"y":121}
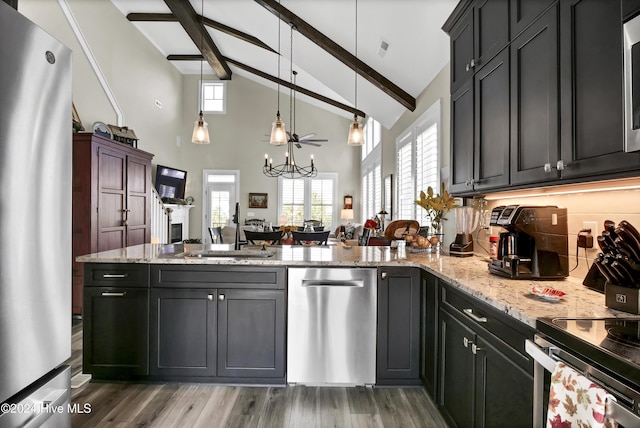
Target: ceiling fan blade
{"x":308,"y":143}
{"x":310,"y":135}
{"x":317,"y":140}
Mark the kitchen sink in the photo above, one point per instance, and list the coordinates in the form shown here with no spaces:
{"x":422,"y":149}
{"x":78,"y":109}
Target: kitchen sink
{"x":245,"y":253}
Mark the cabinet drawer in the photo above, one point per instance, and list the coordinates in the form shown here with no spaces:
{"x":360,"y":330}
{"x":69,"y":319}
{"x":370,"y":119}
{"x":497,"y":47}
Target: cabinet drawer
{"x":172,"y":276}
{"x":116,"y":275}
{"x":481,"y":316}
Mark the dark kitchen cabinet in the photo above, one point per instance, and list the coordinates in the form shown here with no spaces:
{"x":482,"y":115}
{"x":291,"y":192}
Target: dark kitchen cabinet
{"x":183,"y":333}
{"x":592,"y":89}
{"x":116,"y":321}
{"x":524,"y":12}
{"x":398,"y":345}
{"x":630,"y":8}
{"x":219,"y":323}
{"x":480,"y":129}
{"x":491,"y":154}
{"x":251,"y":333}
{"x":477,"y":37}
{"x":462,"y":139}
{"x":429,"y":332}
{"x":110,"y":202}
{"x":486,"y":378}
{"x":535,"y":102}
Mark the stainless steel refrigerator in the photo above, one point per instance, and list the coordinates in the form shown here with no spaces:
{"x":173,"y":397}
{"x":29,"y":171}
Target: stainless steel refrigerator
{"x":35,"y":224}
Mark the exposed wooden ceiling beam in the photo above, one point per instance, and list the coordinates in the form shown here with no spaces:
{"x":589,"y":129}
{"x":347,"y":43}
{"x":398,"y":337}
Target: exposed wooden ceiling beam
{"x":169,"y":17}
{"x":188,"y":18}
{"x":274,"y":79}
{"x":340,"y":53}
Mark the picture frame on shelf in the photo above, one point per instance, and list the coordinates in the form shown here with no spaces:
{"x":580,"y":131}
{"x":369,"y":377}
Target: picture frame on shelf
{"x":258,"y":200}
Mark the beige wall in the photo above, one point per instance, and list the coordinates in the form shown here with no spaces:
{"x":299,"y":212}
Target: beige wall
{"x":239,"y":140}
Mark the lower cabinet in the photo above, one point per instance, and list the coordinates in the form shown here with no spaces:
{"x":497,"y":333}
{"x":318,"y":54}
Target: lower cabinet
{"x":429,"y":332}
{"x":398,"y":349}
{"x":486,"y":379}
{"x":183,"y":332}
{"x":115,"y":324}
{"x":251,"y":333}
{"x":206,"y":326}
{"x":115,"y":332}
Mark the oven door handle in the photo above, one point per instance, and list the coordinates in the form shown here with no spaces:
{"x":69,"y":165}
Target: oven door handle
{"x":539,"y":355}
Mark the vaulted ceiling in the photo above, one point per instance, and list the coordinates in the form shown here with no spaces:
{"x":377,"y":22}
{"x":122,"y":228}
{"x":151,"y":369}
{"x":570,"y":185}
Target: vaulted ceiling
{"x":241,"y":38}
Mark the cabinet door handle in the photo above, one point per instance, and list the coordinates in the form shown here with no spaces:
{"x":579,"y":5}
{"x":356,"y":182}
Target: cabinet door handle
{"x":466,"y":342}
{"x":221,"y":297}
{"x":475,"y":348}
{"x":384,"y":275}
{"x":210,"y":297}
{"x":115,"y":275}
{"x":469,"y":312}
{"x":114,"y":294}
{"x":468,"y":67}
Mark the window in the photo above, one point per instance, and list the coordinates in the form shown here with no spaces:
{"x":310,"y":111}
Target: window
{"x":303,"y":199}
{"x":418,"y":163}
{"x":212,"y":96}
{"x":371,"y":170}
{"x":220,"y":194}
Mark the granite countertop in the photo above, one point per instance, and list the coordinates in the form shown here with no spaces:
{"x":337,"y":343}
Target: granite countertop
{"x":513,"y":297}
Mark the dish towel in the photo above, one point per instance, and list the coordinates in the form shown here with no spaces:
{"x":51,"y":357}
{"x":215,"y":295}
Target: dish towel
{"x":575,"y":401}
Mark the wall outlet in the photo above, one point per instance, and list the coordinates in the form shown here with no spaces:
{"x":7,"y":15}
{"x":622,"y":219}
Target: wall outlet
{"x":250,"y":214}
{"x":593,"y":225}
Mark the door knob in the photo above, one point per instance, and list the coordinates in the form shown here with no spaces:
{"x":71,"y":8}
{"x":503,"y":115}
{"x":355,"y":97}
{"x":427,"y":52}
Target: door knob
{"x":384,"y":275}
{"x":466,"y":342}
{"x":475,"y":348}
{"x":210,"y":297}
{"x":221,"y":297}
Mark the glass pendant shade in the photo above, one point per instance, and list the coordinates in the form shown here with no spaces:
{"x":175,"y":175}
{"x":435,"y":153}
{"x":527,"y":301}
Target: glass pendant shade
{"x":278,"y":132}
{"x":356,"y":136}
{"x":200,"y":131}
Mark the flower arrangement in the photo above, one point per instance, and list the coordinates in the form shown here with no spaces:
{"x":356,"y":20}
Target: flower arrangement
{"x":436,"y":205}
{"x":287,"y":229}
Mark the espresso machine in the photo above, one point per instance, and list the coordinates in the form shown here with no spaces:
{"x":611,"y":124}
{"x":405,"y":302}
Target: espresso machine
{"x":534,"y":244}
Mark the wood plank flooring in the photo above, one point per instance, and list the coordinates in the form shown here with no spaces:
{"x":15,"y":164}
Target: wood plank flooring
{"x":205,"y":405}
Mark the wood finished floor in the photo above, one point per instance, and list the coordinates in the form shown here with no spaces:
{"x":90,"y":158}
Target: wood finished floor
{"x":204,"y":405}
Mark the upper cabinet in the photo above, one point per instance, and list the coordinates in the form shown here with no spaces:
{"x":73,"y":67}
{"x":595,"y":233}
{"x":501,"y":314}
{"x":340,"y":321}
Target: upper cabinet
{"x":477,"y":37}
{"x":591,"y":71}
{"x":564,"y":114}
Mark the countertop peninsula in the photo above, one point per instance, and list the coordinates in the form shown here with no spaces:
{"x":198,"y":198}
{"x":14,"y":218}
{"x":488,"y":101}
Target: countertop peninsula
{"x":512,"y":297}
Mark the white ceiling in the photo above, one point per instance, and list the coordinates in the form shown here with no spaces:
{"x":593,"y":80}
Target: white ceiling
{"x":418,"y":48}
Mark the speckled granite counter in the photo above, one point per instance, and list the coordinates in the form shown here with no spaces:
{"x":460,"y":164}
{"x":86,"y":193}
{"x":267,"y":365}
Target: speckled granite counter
{"x":471,"y":275}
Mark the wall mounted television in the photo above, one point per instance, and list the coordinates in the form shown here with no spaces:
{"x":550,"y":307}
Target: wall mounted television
{"x":170,"y":182}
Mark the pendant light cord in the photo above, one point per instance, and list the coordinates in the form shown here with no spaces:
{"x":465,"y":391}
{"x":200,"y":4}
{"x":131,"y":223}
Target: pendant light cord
{"x":356,"y":64}
{"x":291,"y":93}
{"x":202,"y":30}
{"x":279,"y":21}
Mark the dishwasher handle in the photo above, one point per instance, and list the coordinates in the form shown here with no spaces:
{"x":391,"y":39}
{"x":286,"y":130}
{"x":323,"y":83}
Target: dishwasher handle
{"x":332,"y":283}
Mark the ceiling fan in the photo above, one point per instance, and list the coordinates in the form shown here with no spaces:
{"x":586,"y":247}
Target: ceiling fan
{"x":306,"y":139}
{"x":293,"y":137}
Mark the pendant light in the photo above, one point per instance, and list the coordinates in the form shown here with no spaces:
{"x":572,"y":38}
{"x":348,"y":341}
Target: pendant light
{"x":201,"y":129}
{"x":278,"y":131}
{"x":356,"y":136}
{"x":290,"y":169}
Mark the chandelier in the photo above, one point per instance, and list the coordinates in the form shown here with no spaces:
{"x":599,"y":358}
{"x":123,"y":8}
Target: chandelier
{"x":289,"y":169}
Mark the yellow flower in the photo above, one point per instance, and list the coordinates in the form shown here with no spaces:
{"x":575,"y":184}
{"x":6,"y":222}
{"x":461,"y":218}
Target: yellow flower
{"x":436,"y":205}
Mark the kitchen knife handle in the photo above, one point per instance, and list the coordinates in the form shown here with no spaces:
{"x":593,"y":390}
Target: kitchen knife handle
{"x":603,"y":270}
{"x":629,"y":227}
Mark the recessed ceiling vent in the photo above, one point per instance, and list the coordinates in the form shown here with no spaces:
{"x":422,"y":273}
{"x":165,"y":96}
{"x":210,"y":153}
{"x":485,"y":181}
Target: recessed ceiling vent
{"x":382,"y":49}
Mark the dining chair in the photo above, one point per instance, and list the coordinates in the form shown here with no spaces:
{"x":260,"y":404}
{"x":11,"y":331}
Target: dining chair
{"x":317,"y":237}
{"x":271,"y":237}
{"x":216,"y":235}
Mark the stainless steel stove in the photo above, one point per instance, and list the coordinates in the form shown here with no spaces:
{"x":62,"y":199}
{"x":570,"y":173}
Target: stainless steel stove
{"x":606,"y":350}
{"x":610,"y":344}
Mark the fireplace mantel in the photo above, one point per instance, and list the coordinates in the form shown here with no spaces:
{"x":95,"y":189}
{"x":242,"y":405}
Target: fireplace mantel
{"x":180,"y":216}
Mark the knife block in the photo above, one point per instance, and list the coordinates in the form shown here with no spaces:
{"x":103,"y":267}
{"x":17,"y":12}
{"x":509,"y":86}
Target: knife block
{"x":622,"y":298}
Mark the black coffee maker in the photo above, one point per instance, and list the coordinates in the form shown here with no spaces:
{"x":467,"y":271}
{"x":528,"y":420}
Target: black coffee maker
{"x":534,"y":244}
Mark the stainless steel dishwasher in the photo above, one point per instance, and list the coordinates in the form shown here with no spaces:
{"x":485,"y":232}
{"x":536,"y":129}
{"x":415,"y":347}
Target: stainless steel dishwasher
{"x":331,"y":336}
